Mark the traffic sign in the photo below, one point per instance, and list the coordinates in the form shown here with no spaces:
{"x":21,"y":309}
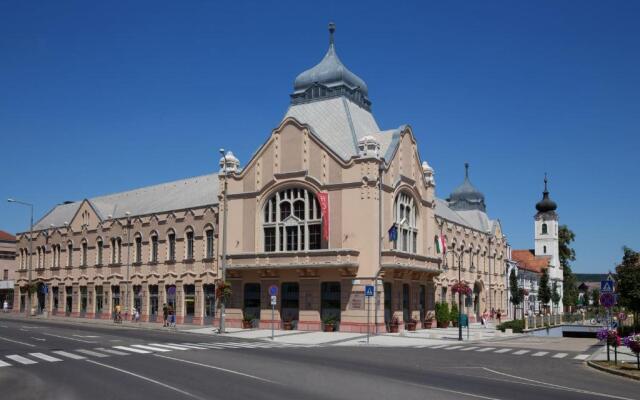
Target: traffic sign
{"x":273,"y":290}
{"x":607,"y":300}
{"x":369,"y":290}
{"x":273,"y":300}
{"x":606,"y":286}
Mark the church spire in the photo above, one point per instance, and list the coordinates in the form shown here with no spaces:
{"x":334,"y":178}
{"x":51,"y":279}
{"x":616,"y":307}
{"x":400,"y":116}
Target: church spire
{"x":546,"y":204}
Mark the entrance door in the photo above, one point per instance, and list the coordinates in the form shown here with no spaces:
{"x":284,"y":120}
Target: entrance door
{"x":388,"y":313}
{"x":115,"y":299}
{"x":42,"y":292}
{"x":56,"y":299}
{"x":330,"y":302}
{"x":209,"y":303}
{"x":252,"y":301}
{"x":423,"y":301}
{"x":69,"y":300}
{"x":83,"y":301}
{"x":189,"y":303}
{"x":99,"y":301}
{"x":137,"y":299}
{"x":153,"y":303}
{"x":405,"y":303}
{"x":289,"y":305}
{"x":171,"y":299}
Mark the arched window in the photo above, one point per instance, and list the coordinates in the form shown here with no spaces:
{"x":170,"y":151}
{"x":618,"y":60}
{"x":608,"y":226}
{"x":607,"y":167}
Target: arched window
{"x":292,"y":221}
{"x":69,"y":254}
{"x":116,"y":250}
{"x":544,"y":249}
{"x":99,"y":246}
{"x":188,"y":246}
{"x":171,"y":245}
{"x":208,"y":246}
{"x":138,"y":247}
{"x":153,"y":255}
{"x":406,"y":223}
{"x":544,"y":229}
{"x":83,"y":258}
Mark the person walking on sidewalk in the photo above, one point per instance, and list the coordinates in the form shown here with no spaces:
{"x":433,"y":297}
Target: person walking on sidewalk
{"x":5,"y":306}
{"x":165,"y":313}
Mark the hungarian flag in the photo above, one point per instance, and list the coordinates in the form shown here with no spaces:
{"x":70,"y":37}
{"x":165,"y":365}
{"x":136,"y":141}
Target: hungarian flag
{"x":323,"y":199}
{"x":441,"y":244}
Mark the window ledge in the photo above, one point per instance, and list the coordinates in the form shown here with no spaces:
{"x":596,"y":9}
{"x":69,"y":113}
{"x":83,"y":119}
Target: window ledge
{"x":136,"y":264}
{"x":115,"y":265}
{"x":153,"y":263}
{"x":188,"y":261}
{"x":170,"y":262}
{"x":208,"y":259}
{"x":98,"y":265}
{"x":53,"y":268}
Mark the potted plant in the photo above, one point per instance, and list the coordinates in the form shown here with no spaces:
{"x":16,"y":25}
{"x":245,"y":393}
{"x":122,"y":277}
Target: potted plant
{"x":442,"y":315}
{"x":329,"y":324}
{"x":633,"y":343}
{"x":411,"y":324}
{"x":428,"y":320}
{"x":393,"y":325}
{"x":455,"y":314}
{"x":247,"y":321}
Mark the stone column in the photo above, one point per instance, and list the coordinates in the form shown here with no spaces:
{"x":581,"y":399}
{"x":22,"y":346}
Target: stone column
{"x":179,"y":302}
{"x":144,"y":303}
{"x":62,"y":299}
{"x":91,"y":300}
{"x":265,"y":303}
{"x":198,"y":316}
{"x":309,"y":318}
{"x":75,"y":300}
{"x":162,"y":299}
{"x":107,"y":307}
{"x":16,"y":299}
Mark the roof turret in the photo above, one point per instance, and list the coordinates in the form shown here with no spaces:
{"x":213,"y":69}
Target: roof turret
{"x":546,"y":204}
{"x":466,"y":197}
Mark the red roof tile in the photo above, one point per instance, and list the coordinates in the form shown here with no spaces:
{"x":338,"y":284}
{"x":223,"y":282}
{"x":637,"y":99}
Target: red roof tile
{"x":527,"y":260}
{"x":7,"y":236}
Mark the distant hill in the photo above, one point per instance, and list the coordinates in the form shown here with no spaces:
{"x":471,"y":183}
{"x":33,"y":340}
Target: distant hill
{"x":590,"y":277}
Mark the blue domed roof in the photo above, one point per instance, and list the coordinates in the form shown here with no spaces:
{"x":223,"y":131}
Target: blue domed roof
{"x":330,"y":73}
{"x":466,"y":197}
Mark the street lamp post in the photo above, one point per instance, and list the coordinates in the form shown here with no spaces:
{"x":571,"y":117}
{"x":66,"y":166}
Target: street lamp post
{"x":128,"y":300}
{"x":30,"y":251}
{"x":223,"y":262}
{"x":459,"y":255}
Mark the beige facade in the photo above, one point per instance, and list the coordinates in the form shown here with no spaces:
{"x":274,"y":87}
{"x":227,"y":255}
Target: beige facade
{"x":7,"y":267}
{"x":280,"y":231}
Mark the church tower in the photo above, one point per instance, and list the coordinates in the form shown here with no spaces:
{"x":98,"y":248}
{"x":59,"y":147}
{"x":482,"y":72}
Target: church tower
{"x":546,"y":237}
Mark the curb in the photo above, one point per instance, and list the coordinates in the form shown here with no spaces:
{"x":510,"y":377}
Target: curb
{"x":612,"y":371}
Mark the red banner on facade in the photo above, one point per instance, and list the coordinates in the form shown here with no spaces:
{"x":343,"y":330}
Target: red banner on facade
{"x":323,"y":199}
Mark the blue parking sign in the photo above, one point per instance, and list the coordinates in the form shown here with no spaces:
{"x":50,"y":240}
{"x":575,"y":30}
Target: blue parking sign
{"x":369,"y":290}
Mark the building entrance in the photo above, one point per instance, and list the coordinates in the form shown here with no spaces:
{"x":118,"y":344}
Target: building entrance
{"x":330,"y":302}
{"x":189,"y":303}
{"x":251,"y":307}
{"x":290,"y":303}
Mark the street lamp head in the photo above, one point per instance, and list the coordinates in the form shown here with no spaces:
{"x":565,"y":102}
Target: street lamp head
{"x":11,"y":200}
{"x":127,"y":213}
{"x":221,"y":151}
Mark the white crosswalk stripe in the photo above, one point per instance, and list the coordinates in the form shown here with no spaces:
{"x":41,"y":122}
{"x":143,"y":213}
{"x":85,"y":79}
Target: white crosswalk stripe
{"x":452,"y":348}
{"x":190,"y":345}
{"x":131,"y":349}
{"x":169,"y":346}
{"x":151,"y":348}
{"x":482,"y":350}
{"x":502,"y":351}
{"x":111,"y":351}
{"x":581,"y":357}
{"x":520,"y":352}
{"x":468,"y":348}
{"x":21,"y":360}
{"x":45,"y":357}
{"x":439,"y":346}
{"x":560,"y":355}
{"x":4,"y":364}
{"x":91,"y":353}
{"x":540,"y":354}
{"x":69,"y":355}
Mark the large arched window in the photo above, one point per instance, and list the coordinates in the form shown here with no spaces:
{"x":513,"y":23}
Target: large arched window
{"x":405,"y":216}
{"x":292,"y":221}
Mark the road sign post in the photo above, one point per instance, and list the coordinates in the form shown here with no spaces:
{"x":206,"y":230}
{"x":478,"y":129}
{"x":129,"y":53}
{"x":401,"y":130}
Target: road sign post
{"x":369,"y":292}
{"x":274,"y":300}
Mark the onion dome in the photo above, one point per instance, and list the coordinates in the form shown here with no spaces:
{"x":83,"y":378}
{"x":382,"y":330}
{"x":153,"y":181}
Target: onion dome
{"x":546,"y":204}
{"x":229,"y":163}
{"x":466,"y":197}
{"x":330,"y":78}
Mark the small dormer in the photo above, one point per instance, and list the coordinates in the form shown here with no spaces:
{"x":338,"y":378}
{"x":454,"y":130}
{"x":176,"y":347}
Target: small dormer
{"x":428,"y":173}
{"x":368,"y":146}
{"x":229,"y":163}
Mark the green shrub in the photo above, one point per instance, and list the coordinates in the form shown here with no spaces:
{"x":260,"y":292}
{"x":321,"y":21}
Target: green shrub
{"x":517,"y":325}
{"x":455,"y":313}
{"x":442,"y":312}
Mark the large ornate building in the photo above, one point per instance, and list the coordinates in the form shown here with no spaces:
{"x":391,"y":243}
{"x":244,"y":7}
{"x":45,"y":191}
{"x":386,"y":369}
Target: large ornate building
{"x":328,"y":204}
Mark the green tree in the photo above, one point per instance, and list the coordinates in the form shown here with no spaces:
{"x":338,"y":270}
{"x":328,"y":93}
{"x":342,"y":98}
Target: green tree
{"x":628,"y":282}
{"x":567,"y":254}
{"x":585,"y":297}
{"x":515,"y":293}
{"x":544,"y":291}
{"x":595,"y":297}
{"x":555,"y":296}
{"x":455,"y":314}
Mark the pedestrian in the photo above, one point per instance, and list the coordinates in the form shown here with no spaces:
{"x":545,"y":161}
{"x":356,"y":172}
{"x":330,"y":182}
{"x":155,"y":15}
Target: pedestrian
{"x":172,"y":318}
{"x":136,"y":315}
{"x":5,"y":306}
{"x":485,"y":316}
{"x":117,"y":317}
{"x":499,"y":315}
{"x":165,"y":313}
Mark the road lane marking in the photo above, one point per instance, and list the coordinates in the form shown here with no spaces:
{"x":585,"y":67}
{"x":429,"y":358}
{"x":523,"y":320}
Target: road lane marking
{"x":189,"y":345}
{"x":502,"y":351}
{"x":145,"y":347}
{"x":69,"y":355}
{"x":4,"y":364}
{"x":68,"y":338}
{"x":169,"y":346}
{"x":581,"y":357}
{"x":520,"y":352}
{"x":87,"y":336}
{"x":21,"y":359}
{"x":45,"y":357}
{"x":439,"y":346}
{"x":217,"y":368}
{"x":91,"y":353}
{"x":16,"y":341}
{"x":40,"y":339}
{"x":482,"y":350}
{"x":540,"y":354}
{"x":554,"y":386}
{"x":477,"y":396}
{"x":131,"y":349}
{"x":468,"y":348}
{"x":453,"y":347}
{"x":164,"y":385}
{"x":560,"y":355}
{"x":111,"y":351}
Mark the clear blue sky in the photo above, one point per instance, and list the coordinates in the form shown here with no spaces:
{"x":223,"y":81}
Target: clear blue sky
{"x":109,"y":96}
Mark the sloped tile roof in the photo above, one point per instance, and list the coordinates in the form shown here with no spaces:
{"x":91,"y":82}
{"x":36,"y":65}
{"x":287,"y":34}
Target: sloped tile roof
{"x":474,"y":219}
{"x":7,"y":237}
{"x":527,"y":260}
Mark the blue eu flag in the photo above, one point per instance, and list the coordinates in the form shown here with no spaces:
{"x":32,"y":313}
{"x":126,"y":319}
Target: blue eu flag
{"x":393,"y":233}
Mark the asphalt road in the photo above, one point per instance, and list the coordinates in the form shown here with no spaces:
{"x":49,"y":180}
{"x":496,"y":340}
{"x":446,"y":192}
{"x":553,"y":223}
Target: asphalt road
{"x":56,"y":360}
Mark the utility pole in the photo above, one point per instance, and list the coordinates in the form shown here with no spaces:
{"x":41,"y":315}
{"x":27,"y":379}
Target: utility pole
{"x":223,"y":262}
{"x":30,"y":252}
{"x":126,"y":307}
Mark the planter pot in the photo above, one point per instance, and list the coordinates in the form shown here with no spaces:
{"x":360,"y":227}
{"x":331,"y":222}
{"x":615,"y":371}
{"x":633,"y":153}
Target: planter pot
{"x":427,"y":324}
{"x":443,"y":324}
{"x":247,"y":324}
{"x":411,"y":326}
{"x":329,"y":327}
{"x":393,"y":328}
{"x":287,"y":326}
{"x":635,"y":347}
